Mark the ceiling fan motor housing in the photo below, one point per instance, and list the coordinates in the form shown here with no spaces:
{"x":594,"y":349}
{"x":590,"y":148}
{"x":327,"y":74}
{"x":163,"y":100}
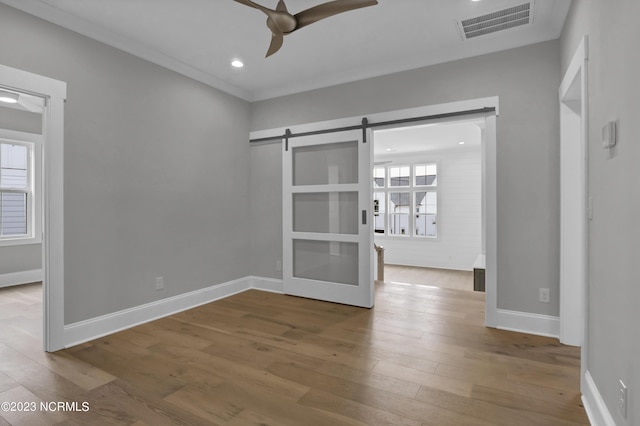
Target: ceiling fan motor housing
{"x":281,"y":23}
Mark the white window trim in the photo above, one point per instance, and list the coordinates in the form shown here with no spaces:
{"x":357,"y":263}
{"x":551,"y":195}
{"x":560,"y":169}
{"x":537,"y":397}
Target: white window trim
{"x":34,"y":219}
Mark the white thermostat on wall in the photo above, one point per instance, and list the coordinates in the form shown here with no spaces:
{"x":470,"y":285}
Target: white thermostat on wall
{"x":609,"y":135}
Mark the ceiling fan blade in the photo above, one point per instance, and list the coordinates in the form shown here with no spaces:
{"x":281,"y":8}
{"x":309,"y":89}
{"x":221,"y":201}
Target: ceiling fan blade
{"x":254,"y":5}
{"x":325,"y":10}
{"x":276,"y":44}
{"x":281,"y":7}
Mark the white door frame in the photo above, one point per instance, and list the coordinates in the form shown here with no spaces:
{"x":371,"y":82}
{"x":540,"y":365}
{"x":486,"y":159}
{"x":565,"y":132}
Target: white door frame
{"x":490,"y":171}
{"x":54,"y":92}
{"x":574,"y":118}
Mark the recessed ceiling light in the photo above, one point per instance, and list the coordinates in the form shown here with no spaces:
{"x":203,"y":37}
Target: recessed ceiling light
{"x":390,"y":149}
{"x":8,"y":97}
{"x":237,"y":63}
{"x":475,"y":0}
{"x":462,"y":142}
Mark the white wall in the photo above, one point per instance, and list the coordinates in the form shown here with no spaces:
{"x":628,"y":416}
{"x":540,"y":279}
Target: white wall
{"x":459,"y":213}
{"x":613,"y":346}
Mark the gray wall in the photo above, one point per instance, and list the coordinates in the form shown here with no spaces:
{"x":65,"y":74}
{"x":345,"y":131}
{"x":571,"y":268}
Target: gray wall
{"x":156,"y":171}
{"x":24,"y":257}
{"x":20,"y":258}
{"x":527,"y":81}
{"x":613,"y":350}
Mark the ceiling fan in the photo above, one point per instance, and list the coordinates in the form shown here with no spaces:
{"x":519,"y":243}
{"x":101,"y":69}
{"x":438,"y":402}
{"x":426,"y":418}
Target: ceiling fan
{"x":281,"y":22}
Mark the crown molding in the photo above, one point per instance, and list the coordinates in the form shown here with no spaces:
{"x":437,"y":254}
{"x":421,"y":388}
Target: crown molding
{"x":95,"y":32}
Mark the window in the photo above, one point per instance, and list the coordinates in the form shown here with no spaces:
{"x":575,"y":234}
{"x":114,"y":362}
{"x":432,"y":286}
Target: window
{"x":399,"y":210}
{"x":379,"y":177}
{"x":408,"y":205}
{"x":19,"y":208}
{"x":426,"y":207}
{"x":399,"y":176}
{"x":425,"y":175}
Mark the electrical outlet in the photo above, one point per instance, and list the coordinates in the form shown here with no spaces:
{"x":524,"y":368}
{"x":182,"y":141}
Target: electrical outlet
{"x":278,"y":265}
{"x":159,"y":283}
{"x":544,"y":295}
{"x":622,"y":399}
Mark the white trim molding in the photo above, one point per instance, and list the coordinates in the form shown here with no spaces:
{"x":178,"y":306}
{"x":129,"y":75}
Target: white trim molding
{"x":94,"y":328}
{"x":64,"y":19}
{"x":524,"y":322}
{"x":574,"y":190}
{"x":103,"y":325}
{"x":271,"y":285}
{"x":22,"y":277}
{"x":594,"y":405}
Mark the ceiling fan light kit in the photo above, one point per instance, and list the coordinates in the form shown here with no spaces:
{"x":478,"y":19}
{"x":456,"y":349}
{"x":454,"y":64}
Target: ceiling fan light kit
{"x":281,"y":22}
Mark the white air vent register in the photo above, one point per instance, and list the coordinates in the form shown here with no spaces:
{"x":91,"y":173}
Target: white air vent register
{"x":497,"y":21}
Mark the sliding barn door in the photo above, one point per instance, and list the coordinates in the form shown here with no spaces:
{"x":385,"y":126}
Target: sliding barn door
{"x":328,"y":239}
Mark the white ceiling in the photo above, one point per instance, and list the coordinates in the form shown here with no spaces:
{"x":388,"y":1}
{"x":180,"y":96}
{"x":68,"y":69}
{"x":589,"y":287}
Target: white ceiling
{"x":199,"y":38}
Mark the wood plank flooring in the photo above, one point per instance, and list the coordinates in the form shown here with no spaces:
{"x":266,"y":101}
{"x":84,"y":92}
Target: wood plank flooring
{"x":443,"y":278}
{"x":420,"y":357}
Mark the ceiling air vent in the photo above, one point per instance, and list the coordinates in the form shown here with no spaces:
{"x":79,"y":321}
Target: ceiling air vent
{"x":497,"y":21}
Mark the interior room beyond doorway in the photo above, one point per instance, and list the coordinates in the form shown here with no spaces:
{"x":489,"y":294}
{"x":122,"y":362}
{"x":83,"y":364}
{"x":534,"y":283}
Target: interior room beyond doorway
{"x":427,"y":195}
{"x":432,"y":277}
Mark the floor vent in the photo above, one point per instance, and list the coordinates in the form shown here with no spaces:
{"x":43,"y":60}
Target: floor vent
{"x":497,"y":21}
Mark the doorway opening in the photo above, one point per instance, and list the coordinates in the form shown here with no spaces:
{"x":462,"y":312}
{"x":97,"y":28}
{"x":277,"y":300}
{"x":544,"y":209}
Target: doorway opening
{"x":47,"y":230}
{"x":428,"y":201}
{"x":21,"y":218}
{"x":486,"y":109}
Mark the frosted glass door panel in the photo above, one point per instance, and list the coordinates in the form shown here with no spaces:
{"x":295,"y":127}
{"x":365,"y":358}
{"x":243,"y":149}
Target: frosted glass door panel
{"x":326,"y":212}
{"x":334,"y":163}
{"x":327,"y":243}
{"x":326,"y":261}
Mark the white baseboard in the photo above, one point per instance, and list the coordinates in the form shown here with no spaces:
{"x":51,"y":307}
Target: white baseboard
{"x":267,"y":284}
{"x":84,"y":331}
{"x":22,"y":277}
{"x":524,"y":322}
{"x":594,"y":405}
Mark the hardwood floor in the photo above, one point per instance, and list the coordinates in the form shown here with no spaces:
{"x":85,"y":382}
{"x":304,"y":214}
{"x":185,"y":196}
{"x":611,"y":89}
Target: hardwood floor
{"x":420,"y":357}
{"x":444,"y":278}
